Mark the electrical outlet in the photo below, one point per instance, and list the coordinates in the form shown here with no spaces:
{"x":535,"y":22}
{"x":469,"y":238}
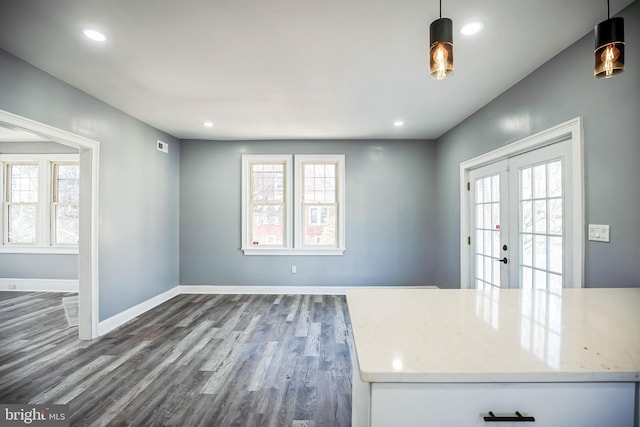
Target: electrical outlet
{"x":293,"y":269}
{"x":12,"y":285}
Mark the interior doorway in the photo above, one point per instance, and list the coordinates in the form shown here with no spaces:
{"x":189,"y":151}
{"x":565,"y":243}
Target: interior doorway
{"x":521,"y":217}
{"x":89,"y":152}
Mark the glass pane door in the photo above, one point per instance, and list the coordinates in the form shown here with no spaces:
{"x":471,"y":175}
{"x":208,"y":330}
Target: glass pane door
{"x":488,"y":205}
{"x":538,"y":179}
{"x":518,"y":210}
{"x":540,"y":225}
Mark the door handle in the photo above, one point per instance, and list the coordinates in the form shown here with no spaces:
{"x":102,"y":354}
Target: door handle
{"x":503,"y":260}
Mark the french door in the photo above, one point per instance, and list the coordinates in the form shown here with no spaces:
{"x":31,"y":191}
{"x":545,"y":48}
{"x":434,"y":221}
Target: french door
{"x":518,"y":209}
{"x":489,"y":212}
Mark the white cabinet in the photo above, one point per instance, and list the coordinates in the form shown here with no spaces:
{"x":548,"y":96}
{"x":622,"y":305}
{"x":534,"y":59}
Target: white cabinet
{"x":448,"y":358}
{"x":465,"y":404}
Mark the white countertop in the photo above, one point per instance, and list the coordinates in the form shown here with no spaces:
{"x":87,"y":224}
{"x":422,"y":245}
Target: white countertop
{"x":511,"y":335}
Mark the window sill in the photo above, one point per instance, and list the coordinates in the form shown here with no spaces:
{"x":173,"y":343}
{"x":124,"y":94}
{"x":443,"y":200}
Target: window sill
{"x":295,"y":252}
{"x":45,"y":250}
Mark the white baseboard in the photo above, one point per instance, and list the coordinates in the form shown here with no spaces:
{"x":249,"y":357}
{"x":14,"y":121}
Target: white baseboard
{"x":38,"y":285}
{"x":282,"y":290}
{"x":123,"y":317}
{"x":266,"y":290}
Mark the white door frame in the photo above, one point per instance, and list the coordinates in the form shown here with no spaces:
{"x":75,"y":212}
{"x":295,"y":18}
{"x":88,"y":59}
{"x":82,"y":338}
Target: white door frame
{"x":88,"y":244}
{"x":572,"y":130}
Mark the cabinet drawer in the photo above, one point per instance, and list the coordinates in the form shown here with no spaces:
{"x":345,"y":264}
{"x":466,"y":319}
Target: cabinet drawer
{"x":453,"y":404}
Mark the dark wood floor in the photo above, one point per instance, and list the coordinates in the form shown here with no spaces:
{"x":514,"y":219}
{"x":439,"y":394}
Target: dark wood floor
{"x":196,"y":360}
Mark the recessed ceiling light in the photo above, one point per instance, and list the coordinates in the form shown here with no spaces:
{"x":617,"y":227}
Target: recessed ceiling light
{"x":208,"y":124}
{"x":94,"y":34}
{"x":472,"y":28}
{"x":398,"y":123}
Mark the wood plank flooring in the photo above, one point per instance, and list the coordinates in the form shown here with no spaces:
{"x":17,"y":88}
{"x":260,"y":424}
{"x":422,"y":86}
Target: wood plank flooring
{"x":196,"y":360}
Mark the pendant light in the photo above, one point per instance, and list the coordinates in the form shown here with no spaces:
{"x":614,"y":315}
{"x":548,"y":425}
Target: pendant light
{"x":441,"y":47}
{"x":609,"y":51}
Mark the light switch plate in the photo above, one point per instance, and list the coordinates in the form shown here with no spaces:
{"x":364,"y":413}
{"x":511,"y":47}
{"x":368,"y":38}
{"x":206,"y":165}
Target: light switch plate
{"x":599,"y":232}
{"x":163,"y":146}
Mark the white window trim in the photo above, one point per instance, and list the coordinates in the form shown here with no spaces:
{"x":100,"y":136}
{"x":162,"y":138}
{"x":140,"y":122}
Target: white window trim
{"x":54,"y":203}
{"x":293,"y":196}
{"x":571,"y":129}
{"x":44,"y":243}
{"x":247,"y":161}
{"x":339,"y":160}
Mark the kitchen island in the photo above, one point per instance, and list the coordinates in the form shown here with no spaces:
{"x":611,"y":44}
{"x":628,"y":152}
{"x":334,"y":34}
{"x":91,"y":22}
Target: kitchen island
{"x":429,"y":357}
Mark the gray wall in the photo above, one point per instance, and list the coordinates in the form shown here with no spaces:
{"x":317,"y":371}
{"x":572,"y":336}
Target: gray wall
{"x":558,"y":91}
{"x":390,"y":216}
{"x":37,"y":266}
{"x":402,"y":196}
{"x":138,"y":200}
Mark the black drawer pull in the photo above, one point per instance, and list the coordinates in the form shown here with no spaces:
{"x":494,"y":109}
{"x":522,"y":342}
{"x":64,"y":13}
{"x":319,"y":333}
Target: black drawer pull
{"x":517,"y":417}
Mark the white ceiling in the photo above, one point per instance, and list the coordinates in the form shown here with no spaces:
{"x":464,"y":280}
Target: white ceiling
{"x":292,"y":69}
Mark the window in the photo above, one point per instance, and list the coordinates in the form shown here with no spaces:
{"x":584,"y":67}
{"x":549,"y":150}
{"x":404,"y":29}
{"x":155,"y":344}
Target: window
{"x":22,"y":203}
{"x":268,"y":201}
{"x":64,"y":203}
{"x":40,"y":196}
{"x":293,"y":210}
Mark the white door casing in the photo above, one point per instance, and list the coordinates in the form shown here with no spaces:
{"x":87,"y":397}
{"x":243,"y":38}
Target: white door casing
{"x":571,"y":132}
{"x":88,"y":243}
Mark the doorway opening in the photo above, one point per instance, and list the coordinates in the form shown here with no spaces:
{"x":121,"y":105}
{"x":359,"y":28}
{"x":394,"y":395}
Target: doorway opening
{"x":89,"y":152}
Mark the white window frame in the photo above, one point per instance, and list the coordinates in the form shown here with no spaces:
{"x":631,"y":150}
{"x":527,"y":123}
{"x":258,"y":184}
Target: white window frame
{"x":44,"y":242}
{"x":293,"y":218}
{"x":54,"y":202}
{"x":572,"y":130}
{"x":247,"y":247}
{"x":339,"y":161}
{"x":7,"y":205}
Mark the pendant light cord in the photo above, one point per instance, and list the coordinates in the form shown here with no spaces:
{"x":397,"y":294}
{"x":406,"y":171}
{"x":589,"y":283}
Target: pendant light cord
{"x":441,"y":7}
{"x":608,"y":14}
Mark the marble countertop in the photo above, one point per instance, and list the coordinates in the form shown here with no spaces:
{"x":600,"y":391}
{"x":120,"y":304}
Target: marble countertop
{"x":510,"y":335}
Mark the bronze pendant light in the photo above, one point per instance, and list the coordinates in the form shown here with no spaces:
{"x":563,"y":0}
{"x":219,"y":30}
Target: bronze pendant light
{"x":441,"y":47}
{"x":609,"y":51}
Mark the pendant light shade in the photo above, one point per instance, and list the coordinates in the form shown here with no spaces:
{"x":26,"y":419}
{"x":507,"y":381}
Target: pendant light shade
{"x":441,"y":48}
{"x":609,"y":49}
